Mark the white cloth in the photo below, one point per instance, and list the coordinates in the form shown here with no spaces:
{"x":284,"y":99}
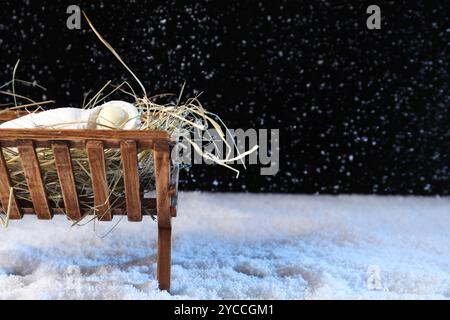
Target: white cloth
{"x":72,"y":118}
{"x":62,"y":118}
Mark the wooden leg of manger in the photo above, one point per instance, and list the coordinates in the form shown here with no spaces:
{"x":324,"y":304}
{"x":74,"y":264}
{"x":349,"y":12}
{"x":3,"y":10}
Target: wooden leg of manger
{"x":163,"y":259}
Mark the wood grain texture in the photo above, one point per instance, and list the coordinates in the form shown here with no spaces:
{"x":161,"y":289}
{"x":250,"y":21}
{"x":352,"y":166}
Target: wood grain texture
{"x":5,"y":185}
{"x":33,"y":176}
{"x":161,"y":156}
{"x":63,"y":163}
{"x":164,"y":258}
{"x":148,"y":203}
{"x":42,"y":138}
{"x":11,"y":114}
{"x":96,"y":157}
{"x":128,"y":151}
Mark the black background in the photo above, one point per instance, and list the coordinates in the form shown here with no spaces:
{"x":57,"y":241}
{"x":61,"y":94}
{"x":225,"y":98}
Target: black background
{"x":359,"y":111}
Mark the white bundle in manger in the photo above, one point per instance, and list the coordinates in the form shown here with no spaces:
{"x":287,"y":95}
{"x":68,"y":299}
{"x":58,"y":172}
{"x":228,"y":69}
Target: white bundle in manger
{"x":114,"y":114}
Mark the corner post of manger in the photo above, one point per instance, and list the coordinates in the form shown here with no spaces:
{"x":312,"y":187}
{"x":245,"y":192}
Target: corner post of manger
{"x":161,"y":154}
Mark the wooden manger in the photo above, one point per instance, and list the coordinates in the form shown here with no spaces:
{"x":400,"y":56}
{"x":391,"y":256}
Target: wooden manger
{"x":130,"y":143}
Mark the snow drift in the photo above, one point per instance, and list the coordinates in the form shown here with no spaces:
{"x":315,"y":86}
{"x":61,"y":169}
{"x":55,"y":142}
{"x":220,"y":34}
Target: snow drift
{"x":240,"y":246}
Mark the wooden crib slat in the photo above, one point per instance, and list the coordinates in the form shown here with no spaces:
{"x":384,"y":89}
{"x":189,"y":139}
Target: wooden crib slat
{"x":96,"y":157}
{"x":63,"y":163}
{"x":161,"y":154}
{"x":33,"y":176}
{"x":5,"y":184}
{"x":128,"y":151}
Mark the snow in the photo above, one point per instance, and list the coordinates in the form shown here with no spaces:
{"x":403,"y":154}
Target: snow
{"x":239,"y":246}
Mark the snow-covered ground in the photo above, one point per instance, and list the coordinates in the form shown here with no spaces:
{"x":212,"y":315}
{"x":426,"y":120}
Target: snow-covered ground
{"x":242,"y":246}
